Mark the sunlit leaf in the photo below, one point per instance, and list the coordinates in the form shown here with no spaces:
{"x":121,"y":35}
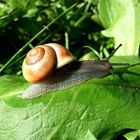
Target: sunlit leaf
{"x":96,"y":109}
{"x":121,"y":21}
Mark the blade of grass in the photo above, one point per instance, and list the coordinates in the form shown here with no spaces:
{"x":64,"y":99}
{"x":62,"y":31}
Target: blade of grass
{"x":39,"y":33}
{"x":68,"y":19}
{"x":46,"y":38}
{"x":93,"y":50}
{"x":17,"y":60}
{"x":66,"y":40}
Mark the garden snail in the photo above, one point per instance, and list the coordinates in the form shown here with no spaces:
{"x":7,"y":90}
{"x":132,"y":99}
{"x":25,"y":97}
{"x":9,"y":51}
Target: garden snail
{"x":51,"y":67}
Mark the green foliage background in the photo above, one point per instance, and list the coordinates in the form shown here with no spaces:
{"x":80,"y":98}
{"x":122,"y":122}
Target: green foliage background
{"x":78,"y":29}
{"x":82,"y":29}
{"x":90,"y":29}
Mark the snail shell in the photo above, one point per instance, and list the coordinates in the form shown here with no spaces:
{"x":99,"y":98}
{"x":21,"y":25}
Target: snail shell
{"x":42,"y":60}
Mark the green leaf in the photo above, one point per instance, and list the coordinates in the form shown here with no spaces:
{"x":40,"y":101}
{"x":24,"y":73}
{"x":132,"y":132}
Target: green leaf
{"x":98,"y":108}
{"x":121,"y":21}
{"x":132,"y":135}
{"x":89,"y":136}
{"x":13,"y":10}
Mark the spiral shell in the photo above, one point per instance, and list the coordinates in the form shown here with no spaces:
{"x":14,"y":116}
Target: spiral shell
{"x":42,"y":60}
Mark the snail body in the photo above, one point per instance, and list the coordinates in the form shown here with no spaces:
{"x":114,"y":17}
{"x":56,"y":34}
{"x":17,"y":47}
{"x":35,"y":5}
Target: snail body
{"x":64,"y":75}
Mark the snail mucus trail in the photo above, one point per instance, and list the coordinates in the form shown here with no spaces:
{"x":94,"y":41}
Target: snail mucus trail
{"x":70,"y":75}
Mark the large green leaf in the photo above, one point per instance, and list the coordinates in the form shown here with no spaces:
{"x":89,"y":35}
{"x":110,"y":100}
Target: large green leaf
{"x":121,"y":21}
{"x":98,"y":108}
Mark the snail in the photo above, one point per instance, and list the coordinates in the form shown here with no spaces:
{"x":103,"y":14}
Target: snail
{"x":52,"y":67}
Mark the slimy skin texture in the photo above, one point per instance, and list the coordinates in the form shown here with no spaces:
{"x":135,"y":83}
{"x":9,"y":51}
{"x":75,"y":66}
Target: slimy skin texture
{"x":68,"y":76}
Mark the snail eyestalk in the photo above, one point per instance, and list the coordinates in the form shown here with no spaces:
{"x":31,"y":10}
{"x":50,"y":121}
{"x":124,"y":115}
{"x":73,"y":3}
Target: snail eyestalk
{"x":113,"y":52}
{"x":116,"y":64}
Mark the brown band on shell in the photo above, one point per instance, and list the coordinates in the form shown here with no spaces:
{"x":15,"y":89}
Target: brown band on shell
{"x":35,"y":55}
